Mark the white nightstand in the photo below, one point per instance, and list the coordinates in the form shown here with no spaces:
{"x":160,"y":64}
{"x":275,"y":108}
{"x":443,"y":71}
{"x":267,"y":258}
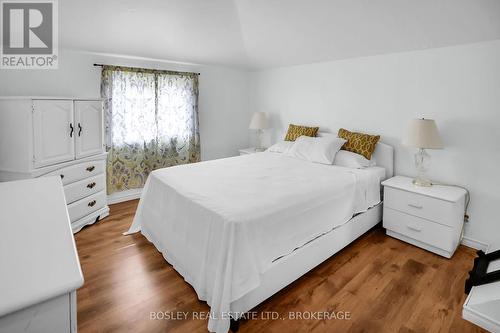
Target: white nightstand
{"x":247,"y":151}
{"x":428,"y":217}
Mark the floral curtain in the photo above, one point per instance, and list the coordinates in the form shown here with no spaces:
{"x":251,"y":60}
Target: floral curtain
{"x":151,"y":122}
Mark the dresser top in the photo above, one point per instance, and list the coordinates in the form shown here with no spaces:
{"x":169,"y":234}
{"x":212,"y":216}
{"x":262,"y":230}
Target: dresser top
{"x":443,"y":192}
{"x":37,"y":251}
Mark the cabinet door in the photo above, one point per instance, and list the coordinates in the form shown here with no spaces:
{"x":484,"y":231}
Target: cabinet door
{"x":89,"y":128}
{"x":53,"y":132}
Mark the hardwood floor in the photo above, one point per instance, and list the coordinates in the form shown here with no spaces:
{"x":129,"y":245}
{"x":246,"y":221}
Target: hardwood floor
{"x":384,"y":284}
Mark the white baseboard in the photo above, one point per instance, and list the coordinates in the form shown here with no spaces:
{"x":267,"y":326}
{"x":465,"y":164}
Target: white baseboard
{"x":124,"y":196}
{"x":475,"y":244}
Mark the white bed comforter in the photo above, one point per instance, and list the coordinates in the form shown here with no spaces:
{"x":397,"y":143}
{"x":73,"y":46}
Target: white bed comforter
{"x":222,"y":223}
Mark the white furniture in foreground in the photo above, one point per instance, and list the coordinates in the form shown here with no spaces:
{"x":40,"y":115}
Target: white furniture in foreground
{"x":247,"y":151}
{"x":428,"y":217}
{"x":57,"y":137}
{"x":482,"y":306}
{"x":40,"y":270}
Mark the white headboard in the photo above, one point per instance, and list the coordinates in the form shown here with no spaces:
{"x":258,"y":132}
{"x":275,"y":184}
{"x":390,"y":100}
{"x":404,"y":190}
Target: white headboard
{"x":384,"y":156}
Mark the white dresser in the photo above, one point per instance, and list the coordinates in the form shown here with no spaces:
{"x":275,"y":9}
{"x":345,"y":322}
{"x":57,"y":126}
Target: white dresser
{"x":429,"y":217}
{"x":42,"y":136}
{"x":39,"y":266}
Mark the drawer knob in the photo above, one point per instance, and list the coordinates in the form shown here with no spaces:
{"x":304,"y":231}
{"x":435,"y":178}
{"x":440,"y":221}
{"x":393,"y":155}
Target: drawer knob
{"x":92,"y":203}
{"x":415,"y":206}
{"x":91,"y":185}
{"x":90,"y":168}
{"x":62,"y":176}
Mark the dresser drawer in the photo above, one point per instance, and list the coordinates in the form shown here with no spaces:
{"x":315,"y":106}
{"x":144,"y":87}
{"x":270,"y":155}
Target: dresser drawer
{"x":444,"y":212}
{"x":78,"y":171}
{"x":83,"y":207}
{"x":83,"y":188}
{"x":438,"y":235}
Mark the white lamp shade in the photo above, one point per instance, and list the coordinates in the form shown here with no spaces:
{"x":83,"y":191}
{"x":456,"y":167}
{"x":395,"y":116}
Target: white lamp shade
{"x":259,"y":121}
{"x":423,"y":133}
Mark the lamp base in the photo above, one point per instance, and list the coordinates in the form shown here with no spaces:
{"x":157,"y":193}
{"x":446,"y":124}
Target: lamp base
{"x":422,"y":162}
{"x":259,"y":147}
{"x":422,"y":182}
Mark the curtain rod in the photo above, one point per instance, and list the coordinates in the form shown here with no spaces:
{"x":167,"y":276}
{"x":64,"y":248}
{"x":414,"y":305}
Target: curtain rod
{"x":160,"y":70}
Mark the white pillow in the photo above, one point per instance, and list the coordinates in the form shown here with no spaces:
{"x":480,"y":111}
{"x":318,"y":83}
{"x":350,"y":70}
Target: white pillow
{"x":280,"y":147}
{"x":326,"y":134}
{"x":352,"y":160}
{"x":318,"y":149}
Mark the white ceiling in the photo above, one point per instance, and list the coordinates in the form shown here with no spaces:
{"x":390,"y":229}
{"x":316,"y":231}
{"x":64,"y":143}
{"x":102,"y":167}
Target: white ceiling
{"x":270,"y":33}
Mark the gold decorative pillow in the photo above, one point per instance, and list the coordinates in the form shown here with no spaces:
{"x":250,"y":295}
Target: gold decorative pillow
{"x":359,"y":143}
{"x":295,"y":131}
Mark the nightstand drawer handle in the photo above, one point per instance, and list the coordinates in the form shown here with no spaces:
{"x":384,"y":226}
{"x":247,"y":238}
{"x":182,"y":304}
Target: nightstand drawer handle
{"x":90,"y":168}
{"x":414,"y":228}
{"x":415,"y":206}
{"x":92,"y":203}
{"x":91,"y":185}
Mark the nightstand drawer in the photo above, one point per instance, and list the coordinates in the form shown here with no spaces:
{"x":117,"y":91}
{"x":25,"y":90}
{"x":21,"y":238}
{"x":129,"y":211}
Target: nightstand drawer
{"x":444,"y":212}
{"x":425,"y":231}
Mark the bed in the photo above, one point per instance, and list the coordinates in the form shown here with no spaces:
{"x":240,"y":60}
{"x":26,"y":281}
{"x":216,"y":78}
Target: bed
{"x":240,"y":229}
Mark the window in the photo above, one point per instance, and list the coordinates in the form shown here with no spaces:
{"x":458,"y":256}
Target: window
{"x":151,"y":122}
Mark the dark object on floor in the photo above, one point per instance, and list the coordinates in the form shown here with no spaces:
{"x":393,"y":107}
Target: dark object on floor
{"x":234,"y":326}
{"x":478,"y":275}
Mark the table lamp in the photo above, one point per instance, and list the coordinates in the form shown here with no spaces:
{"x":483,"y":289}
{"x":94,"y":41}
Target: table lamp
{"x":422,"y":134}
{"x":259,"y":123}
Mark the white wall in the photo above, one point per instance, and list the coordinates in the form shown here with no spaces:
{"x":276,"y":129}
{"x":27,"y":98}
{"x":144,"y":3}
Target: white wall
{"x":458,"y":86}
{"x":223,"y":100}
